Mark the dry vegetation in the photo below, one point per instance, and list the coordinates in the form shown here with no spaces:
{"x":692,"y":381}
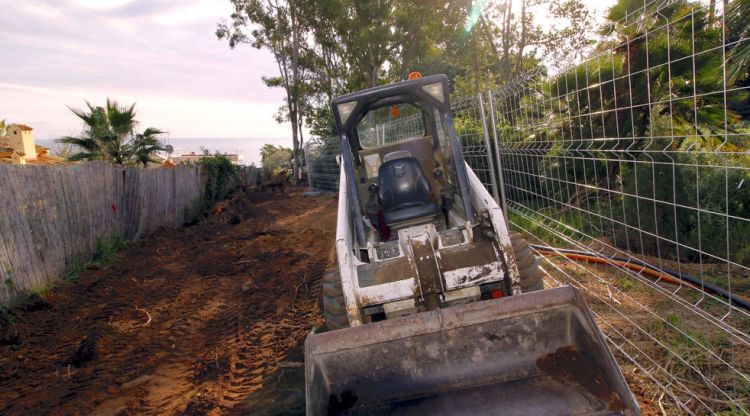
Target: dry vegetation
{"x":660,"y":342}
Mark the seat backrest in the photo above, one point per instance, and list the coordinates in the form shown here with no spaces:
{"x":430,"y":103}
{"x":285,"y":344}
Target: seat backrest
{"x":402,"y":184}
{"x":398,"y":154}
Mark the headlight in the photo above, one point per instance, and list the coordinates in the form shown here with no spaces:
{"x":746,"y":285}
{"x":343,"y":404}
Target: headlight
{"x":345,"y":110}
{"x":435,"y":90}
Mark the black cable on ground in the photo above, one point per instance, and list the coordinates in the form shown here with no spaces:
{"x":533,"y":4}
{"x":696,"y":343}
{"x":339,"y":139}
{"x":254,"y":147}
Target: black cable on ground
{"x":706,"y":287}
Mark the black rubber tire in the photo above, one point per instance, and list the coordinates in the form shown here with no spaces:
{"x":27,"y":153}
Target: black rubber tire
{"x":528,"y":267}
{"x":334,"y":308}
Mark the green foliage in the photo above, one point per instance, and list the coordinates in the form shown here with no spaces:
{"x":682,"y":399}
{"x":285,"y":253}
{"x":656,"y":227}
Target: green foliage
{"x":221,"y":177}
{"x":564,"y":227}
{"x":656,"y":178}
{"x":109,"y":134}
{"x":106,"y":248}
{"x":275,"y":158}
{"x":145,"y":145}
{"x":325,"y":48}
{"x":9,"y":281}
{"x":625,"y":283}
{"x":73,"y":274}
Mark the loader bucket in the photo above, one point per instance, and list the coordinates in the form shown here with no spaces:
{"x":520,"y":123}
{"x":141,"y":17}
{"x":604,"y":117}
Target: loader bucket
{"x":534,"y":354}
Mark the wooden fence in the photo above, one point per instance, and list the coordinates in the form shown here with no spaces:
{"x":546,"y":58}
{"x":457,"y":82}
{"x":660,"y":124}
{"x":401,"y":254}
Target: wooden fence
{"x":54,"y":216}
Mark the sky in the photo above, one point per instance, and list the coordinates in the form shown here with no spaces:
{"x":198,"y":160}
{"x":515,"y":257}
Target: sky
{"x":162,"y":55}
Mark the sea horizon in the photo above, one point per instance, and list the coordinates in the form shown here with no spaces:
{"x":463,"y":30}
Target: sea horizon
{"x":247,"y":148}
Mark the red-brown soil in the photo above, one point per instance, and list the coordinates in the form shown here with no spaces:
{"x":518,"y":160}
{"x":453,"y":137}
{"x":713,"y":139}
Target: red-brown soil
{"x":202,"y":320}
{"x":187,"y":321}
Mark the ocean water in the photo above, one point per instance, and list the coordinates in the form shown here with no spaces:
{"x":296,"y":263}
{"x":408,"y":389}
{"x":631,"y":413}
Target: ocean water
{"x":247,"y":148}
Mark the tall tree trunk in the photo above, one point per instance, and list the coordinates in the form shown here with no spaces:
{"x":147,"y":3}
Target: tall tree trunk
{"x":294,"y":114}
{"x":522,"y":43}
{"x":507,"y":37}
{"x":475,"y":58}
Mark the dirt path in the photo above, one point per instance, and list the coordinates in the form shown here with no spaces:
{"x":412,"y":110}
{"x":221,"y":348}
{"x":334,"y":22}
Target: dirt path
{"x":188,"y":321}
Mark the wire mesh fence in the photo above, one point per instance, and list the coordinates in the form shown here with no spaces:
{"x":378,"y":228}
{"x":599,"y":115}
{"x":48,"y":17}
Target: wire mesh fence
{"x":638,"y":160}
{"x":470,"y":122}
{"x":322,"y":165}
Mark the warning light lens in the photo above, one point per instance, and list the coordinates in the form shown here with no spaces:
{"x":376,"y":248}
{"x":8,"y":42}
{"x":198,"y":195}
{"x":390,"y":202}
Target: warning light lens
{"x":414,"y":75}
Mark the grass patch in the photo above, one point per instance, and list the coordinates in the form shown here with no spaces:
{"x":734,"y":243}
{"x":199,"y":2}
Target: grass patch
{"x":626,"y":284}
{"x":105,"y":251}
{"x":553,"y":228}
{"x":35,"y":299}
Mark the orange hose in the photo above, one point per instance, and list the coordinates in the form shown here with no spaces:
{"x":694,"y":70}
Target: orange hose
{"x":640,"y":269}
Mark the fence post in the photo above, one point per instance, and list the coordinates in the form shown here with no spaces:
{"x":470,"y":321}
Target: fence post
{"x":307,"y":167}
{"x":489,"y":149}
{"x":503,"y":201}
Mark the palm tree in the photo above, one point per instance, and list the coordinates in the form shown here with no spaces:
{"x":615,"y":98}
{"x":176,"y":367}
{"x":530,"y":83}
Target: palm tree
{"x":738,"y":63}
{"x":109,"y":135}
{"x":144,"y":145}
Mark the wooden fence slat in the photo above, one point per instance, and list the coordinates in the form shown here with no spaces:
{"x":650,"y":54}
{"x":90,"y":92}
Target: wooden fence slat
{"x":52,"y":216}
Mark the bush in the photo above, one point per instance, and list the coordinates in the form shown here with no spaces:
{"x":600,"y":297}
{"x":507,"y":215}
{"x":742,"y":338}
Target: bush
{"x":221,"y":177}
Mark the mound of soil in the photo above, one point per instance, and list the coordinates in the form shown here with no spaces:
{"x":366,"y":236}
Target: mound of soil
{"x":188,"y":321}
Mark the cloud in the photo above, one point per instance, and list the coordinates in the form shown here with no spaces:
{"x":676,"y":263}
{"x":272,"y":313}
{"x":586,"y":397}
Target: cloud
{"x":161,"y":53}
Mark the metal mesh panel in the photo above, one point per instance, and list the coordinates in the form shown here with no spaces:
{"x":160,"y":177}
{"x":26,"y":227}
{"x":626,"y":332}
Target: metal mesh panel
{"x":470,"y":124}
{"x":322,"y":168}
{"x":640,"y":158}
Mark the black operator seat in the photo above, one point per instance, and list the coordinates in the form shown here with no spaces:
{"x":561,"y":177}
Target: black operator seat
{"x":404,"y":191}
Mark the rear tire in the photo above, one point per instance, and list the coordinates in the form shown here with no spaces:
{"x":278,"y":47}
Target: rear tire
{"x":528,"y":267}
{"x":334,"y":307}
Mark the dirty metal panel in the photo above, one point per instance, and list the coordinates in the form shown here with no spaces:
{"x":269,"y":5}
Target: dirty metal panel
{"x":537,"y":353}
{"x":388,"y":250}
{"x":375,"y":295}
{"x":344,"y":254}
{"x":482,"y":199}
{"x":470,"y":264}
{"x":426,"y":263}
{"x":385,"y":271}
{"x":451,"y":237}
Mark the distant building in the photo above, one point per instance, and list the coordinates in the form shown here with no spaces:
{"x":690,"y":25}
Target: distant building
{"x":19,"y":148}
{"x":193,"y":157}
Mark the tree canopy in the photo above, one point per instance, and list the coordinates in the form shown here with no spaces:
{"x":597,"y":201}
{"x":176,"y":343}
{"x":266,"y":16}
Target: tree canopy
{"x":275,"y":158}
{"x":326,"y":48}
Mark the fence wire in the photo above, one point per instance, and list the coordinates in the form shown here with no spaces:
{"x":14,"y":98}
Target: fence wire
{"x":639,"y":158}
{"x":322,"y":165}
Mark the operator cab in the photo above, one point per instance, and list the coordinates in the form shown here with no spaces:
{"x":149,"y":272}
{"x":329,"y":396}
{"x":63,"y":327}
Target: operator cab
{"x":401,"y":158}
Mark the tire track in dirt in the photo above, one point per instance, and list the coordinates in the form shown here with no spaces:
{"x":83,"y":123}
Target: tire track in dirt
{"x":226,"y":302}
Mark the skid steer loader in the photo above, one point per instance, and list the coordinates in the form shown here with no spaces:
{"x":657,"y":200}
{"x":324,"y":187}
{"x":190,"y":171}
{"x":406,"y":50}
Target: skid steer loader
{"x":435,"y":307}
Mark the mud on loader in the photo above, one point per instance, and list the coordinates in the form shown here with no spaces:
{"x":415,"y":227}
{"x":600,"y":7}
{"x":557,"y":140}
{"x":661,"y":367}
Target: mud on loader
{"x":436,"y":308}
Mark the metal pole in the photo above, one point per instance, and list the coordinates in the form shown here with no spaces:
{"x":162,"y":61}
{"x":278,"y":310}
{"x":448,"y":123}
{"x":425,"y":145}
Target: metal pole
{"x":503,"y":201}
{"x":489,"y":149}
{"x":308,"y":165}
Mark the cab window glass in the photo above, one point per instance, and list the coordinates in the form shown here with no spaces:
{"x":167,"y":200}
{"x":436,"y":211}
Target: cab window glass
{"x":390,"y":124}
